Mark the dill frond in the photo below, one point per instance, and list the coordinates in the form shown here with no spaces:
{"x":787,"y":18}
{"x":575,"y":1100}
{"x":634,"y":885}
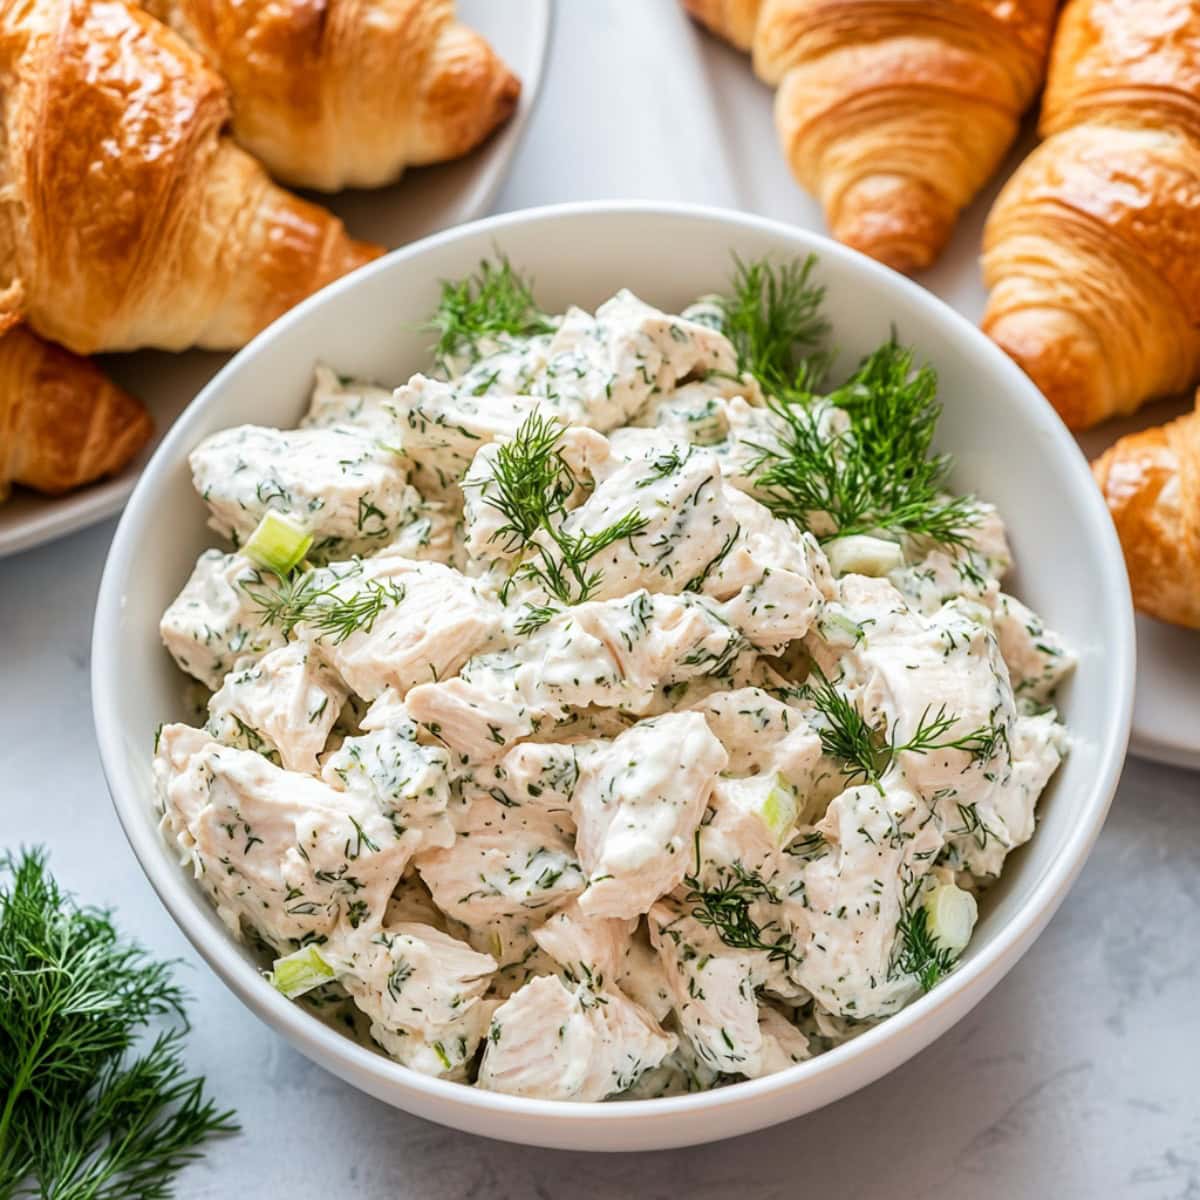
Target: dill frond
{"x":773,"y":318}
{"x":880,"y":472}
{"x":83,"y":1113}
{"x":531,"y":484}
{"x":496,"y":301}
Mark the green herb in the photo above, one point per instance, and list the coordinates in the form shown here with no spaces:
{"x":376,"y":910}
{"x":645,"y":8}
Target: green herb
{"x":877,"y":474}
{"x":491,"y":303}
{"x":725,"y":908}
{"x":83,"y":1115}
{"x":329,"y":614}
{"x":974,"y":826}
{"x":918,"y":952}
{"x":773,"y":318}
{"x":533,"y":617}
{"x":866,"y":751}
{"x":532,"y":482}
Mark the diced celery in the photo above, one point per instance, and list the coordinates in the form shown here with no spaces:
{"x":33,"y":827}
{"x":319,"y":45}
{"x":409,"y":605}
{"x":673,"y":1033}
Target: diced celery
{"x":950,"y":916}
{"x":861,"y":554}
{"x":778,"y":811}
{"x":838,"y":629}
{"x":300,"y":972}
{"x":279,"y":543}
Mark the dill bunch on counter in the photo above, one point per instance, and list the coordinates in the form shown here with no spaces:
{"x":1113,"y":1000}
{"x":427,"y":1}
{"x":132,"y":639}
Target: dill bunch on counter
{"x":87,"y":1110}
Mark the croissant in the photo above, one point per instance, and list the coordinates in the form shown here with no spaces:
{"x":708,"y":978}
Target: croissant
{"x":62,"y":423}
{"x":346,"y":93}
{"x":734,"y":20}
{"x":1092,"y":250}
{"x":128,"y":218}
{"x":1151,"y":481}
{"x":894,"y":113}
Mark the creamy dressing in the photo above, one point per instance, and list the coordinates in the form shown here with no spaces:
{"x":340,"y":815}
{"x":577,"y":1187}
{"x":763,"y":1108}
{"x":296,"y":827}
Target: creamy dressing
{"x":574,"y":815}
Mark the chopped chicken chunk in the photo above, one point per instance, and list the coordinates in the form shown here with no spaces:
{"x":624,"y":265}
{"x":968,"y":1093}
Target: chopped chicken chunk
{"x":214,"y":622}
{"x":285,"y":702}
{"x":553,"y":1042}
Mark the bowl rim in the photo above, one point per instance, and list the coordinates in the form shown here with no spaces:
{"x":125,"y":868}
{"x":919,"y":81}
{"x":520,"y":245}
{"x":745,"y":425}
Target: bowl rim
{"x":387,"y":1076}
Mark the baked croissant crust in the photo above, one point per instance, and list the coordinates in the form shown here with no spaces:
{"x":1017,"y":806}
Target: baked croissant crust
{"x":734,"y":20}
{"x":347,"y":93}
{"x":1092,"y":250}
{"x":62,"y":422}
{"x":895,"y":113}
{"x":1151,"y":481}
{"x":130,"y":219}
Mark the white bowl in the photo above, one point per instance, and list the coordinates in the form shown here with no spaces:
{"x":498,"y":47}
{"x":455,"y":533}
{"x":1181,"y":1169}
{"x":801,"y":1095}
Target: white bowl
{"x":1008,"y":445}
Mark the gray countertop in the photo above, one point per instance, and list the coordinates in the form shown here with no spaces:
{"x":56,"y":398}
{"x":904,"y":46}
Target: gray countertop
{"x":1076,"y":1078}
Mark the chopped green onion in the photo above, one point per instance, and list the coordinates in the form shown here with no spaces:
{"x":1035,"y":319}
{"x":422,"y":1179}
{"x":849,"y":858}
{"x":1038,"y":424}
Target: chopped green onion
{"x":838,"y":629}
{"x":950,"y":914}
{"x":279,"y":543}
{"x":300,"y":972}
{"x":779,"y":812}
{"x":861,"y":554}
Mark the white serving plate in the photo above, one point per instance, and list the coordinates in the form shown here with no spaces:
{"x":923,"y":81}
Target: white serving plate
{"x":1006,"y":443}
{"x":422,"y":202}
{"x":1166,"y":715}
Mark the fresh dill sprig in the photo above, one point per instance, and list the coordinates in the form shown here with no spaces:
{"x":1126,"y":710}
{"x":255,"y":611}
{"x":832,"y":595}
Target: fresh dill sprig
{"x":973,"y":826}
{"x":284,"y":605}
{"x":495,"y":301}
{"x":918,"y":953}
{"x":532,"y":482}
{"x":773,"y":318}
{"x":301,"y":600}
{"x":339,"y":617}
{"x":83,"y":1115}
{"x":533,"y":617}
{"x":877,"y":474}
{"x":866,"y":751}
{"x":725,"y":908}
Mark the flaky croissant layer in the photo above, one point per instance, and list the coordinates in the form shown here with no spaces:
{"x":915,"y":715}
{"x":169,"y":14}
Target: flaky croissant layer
{"x":132,"y":219}
{"x":1151,"y":481}
{"x":893,"y":113}
{"x":62,"y":422}
{"x":349,"y":92}
{"x":1092,"y":250}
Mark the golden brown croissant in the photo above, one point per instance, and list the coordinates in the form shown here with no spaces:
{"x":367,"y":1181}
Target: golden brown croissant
{"x":1092,"y":251}
{"x":62,"y":423}
{"x":734,"y":20}
{"x":347,"y":93}
{"x":893,"y":112}
{"x":1151,"y":481}
{"x":128,"y":218}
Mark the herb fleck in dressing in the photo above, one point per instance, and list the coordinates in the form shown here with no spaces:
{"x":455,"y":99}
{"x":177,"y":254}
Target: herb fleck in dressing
{"x":643,"y":714}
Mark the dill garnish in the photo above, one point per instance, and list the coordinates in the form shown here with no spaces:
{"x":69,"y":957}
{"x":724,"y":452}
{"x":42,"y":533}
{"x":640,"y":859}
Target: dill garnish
{"x":533,"y":617}
{"x":725,"y":908}
{"x":773,"y":318}
{"x":83,"y":1114}
{"x":532,"y":482}
{"x":878,"y":473}
{"x":866,"y":751}
{"x":301,"y":600}
{"x":918,"y":953}
{"x":493,"y":302}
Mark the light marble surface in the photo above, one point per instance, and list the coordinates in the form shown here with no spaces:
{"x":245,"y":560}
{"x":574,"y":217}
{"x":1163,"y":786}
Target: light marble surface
{"x":1079,"y":1077}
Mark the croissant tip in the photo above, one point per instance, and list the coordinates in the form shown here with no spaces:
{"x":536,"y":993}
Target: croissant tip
{"x":900,"y":253}
{"x":1057,"y":355}
{"x":901,"y":222}
{"x":349,"y":256}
